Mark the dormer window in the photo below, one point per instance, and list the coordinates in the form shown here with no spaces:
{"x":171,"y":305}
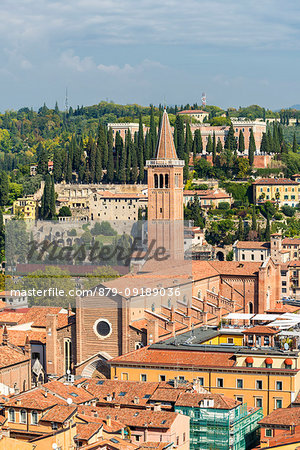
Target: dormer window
{"x":249,"y":361}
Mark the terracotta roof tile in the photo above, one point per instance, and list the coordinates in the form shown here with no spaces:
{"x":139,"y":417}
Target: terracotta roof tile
{"x":125,"y":392}
{"x":59,"y":413}
{"x":253,"y":244}
{"x":193,"y":399}
{"x":10,"y":356}
{"x":77,"y":394}
{"x":282,"y":416}
{"x":276,"y":181}
{"x":34,"y":399}
{"x":147,"y":355}
{"x":86,"y":431}
{"x":135,"y":417}
{"x":260,"y":329}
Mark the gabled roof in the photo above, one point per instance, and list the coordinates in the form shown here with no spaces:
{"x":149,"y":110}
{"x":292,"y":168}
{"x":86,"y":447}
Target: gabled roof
{"x":153,"y":356}
{"x":77,"y":394}
{"x":275,"y":181}
{"x":282,"y":416}
{"x":34,"y":399}
{"x":260,"y":329}
{"x":165,"y":145}
{"x":10,"y":356}
{"x":253,"y":244}
{"x":85,"y":431}
{"x":193,"y":399}
{"x":59,"y":413}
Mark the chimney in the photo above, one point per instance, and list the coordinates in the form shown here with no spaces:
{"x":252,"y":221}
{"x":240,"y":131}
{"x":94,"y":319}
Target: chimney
{"x":108,"y":421}
{"x":157,"y":407}
{"x":27,"y":346}
{"x":153,"y":332}
{"x":175,"y":382}
{"x":172,"y":317}
{"x":109,"y":397}
{"x":5,"y":336}
{"x":69,"y":310}
{"x":146,"y":435}
{"x":136,"y":400}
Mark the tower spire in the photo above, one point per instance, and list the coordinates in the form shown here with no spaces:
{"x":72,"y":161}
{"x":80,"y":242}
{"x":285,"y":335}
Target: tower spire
{"x":165,"y":148}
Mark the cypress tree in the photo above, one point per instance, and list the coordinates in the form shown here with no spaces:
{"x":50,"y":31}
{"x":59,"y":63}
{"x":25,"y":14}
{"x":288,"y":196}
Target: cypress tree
{"x":253,"y":224}
{"x":241,"y":142}
{"x":98,"y":164}
{"x":219,"y":146}
{"x":102,"y":145}
{"x":264,"y":144}
{"x":42,"y":160}
{"x":209,"y":145}
{"x":197,"y":144}
{"x":141,"y":151}
{"x":268,"y":230}
{"x":52,"y":200}
{"x":119,"y":149}
{"x":92,"y":159}
{"x":230,"y":141}
{"x":69,"y":167}
{"x":295,"y":145}
{"x":270,"y":141}
{"x":188,"y":140}
{"x":110,"y":164}
{"x":129,"y":157}
{"x":134,"y":172}
{"x":2,"y":237}
{"x":179,"y":141}
{"x":153,"y":134}
{"x":214,"y":145}
{"x":276,"y":144}
{"x":46,"y":199}
{"x":57,"y":165}
{"x":252,"y":148}
{"x":122,"y":167}
{"x":4,"y":188}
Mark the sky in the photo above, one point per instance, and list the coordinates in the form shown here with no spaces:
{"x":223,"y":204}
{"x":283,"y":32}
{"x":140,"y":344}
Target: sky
{"x":149,"y":51}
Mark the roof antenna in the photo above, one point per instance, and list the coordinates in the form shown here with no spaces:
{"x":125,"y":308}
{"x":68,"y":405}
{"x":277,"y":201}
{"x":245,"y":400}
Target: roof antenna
{"x":165,"y":107}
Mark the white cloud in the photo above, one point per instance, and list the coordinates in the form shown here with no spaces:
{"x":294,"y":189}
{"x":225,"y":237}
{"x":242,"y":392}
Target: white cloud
{"x":72,"y":61}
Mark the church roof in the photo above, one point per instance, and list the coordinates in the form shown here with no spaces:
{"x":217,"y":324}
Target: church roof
{"x":165,"y":146}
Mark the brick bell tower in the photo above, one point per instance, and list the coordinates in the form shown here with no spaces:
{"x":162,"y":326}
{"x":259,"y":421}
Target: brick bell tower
{"x":165,"y":194}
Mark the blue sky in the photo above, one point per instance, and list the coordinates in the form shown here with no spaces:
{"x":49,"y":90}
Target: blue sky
{"x":142,"y":51}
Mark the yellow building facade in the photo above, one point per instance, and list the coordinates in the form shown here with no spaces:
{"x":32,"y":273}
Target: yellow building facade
{"x":280,"y":190}
{"x":27,"y":207}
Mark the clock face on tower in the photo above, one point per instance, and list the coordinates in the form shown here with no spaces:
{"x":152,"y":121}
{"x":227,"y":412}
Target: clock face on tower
{"x":102,"y":328}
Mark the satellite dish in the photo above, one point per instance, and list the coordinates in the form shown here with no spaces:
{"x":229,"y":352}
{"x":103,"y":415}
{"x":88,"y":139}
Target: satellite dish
{"x":68,"y":372}
{"x":286,"y":346}
{"x":69,"y":401}
{"x":54,"y":446}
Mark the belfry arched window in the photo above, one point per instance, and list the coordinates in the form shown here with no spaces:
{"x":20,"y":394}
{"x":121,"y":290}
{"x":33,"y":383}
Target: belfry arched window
{"x":155,"y":180}
{"x":166,"y":180}
{"x":161,"y":180}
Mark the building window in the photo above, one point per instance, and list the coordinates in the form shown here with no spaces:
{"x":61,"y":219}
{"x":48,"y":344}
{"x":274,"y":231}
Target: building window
{"x":259,"y":384}
{"x":252,"y":257}
{"x":258,"y":402}
{"x":68,"y":354}
{"x":143,"y":377}
{"x":177,"y":441}
{"x":181,"y":378}
{"x":155,"y":180}
{"x":229,"y":340}
{"x":162,"y":377}
{"x":11,"y":415}
{"x":239,"y":383}
{"x":278,"y":403}
{"x":268,"y":432}
{"x":278,"y":385}
{"x":183,"y":437}
{"x":23,"y":416}
{"x":266,"y":340}
{"x":249,"y":364}
{"x":220,"y":382}
{"x":102,"y":328}
{"x":201,"y":381}
{"x":124,"y":376}
{"x":283,"y":283}
{"x":239,"y":399}
{"x":243,"y":256}
{"x":34,"y":417}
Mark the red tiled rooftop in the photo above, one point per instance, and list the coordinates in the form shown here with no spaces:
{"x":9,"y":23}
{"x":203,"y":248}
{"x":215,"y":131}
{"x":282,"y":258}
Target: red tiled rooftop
{"x":59,"y":413}
{"x":10,"y":356}
{"x":151,"y":356}
{"x":193,"y":399}
{"x":85,"y":431}
{"x":34,"y":399}
{"x":276,"y":181}
{"x":253,"y":244}
{"x":282,"y":416}
{"x":77,"y":394}
{"x":192,"y":111}
{"x":260,"y":329}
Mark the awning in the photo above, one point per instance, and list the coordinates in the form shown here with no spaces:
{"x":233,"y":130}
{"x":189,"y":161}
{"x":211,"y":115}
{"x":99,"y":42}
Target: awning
{"x":240,"y":316}
{"x":266,"y":317}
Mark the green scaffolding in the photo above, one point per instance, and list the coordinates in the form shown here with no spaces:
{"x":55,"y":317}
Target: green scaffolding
{"x":216,"y":429}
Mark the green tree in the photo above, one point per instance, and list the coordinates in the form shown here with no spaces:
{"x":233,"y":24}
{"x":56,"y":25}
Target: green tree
{"x":241,"y":142}
{"x":252,"y":148}
{"x":57,"y":165}
{"x":42,"y":160}
{"x":179,"y":136}
{"x":141,"y":151}
{"x":253,"y":223}
{"x":65,"y":212}
{"x":268,"y":230}
{"x":230,"y":141}
{"x":4,"y":188}
{"x":240,"y":231}
{"x":197,"y":143}
{"x":209,"y":145}
{"x":295,"y":145}
{"x":153,"y":133}
{"x":46,"y":203}
{"x":110,"y":164}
